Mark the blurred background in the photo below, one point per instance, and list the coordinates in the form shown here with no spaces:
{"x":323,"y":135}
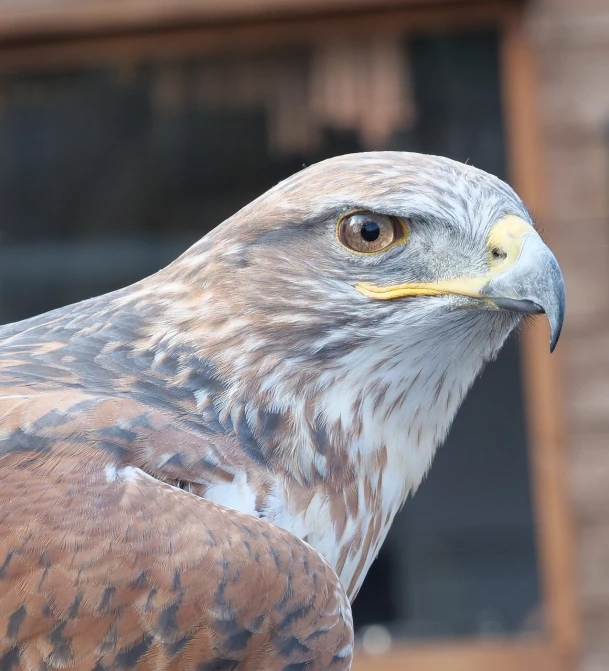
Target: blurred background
{"x":129,"y":128}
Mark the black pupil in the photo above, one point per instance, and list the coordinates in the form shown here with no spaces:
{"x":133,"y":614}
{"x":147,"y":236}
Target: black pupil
{"x":370,"y":231}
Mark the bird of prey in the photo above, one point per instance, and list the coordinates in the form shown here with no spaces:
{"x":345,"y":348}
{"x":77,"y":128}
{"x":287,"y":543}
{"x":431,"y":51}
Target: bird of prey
{"x":197,"y":471}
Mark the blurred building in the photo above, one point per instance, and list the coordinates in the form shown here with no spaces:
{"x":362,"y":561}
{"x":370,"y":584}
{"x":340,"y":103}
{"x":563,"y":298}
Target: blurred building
{"x":129,"y":128}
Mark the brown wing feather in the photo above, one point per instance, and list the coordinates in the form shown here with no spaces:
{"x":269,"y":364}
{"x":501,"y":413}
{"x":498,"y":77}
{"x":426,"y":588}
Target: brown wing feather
{"x":104,"y":567}
{"x":160,"y":404}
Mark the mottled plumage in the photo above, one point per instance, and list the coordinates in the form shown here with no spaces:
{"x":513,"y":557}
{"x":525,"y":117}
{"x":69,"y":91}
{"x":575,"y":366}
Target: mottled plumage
{"x":269,"y":373}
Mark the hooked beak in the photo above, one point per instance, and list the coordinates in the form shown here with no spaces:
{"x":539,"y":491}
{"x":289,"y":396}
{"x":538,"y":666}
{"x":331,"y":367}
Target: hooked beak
{"x":524,"y":277}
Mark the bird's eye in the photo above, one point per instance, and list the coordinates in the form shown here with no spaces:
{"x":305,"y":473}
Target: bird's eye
{"x":368,"y":232}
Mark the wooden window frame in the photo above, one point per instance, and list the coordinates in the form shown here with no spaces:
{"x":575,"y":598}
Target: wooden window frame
{"x":149,"y":29}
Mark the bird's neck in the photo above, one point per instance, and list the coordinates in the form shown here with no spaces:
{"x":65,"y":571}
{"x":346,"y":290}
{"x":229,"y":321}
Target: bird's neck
{"x":350,"y":442}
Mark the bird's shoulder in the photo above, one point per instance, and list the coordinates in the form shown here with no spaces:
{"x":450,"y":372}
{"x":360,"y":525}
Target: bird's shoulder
{"x":90,"y":376}
{"x":51,"y":424}
{"x":105,"y":560}
{"x":104,"y":567}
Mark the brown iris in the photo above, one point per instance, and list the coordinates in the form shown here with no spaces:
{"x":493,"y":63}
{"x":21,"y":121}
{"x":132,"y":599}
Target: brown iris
{"x":368,"y":232}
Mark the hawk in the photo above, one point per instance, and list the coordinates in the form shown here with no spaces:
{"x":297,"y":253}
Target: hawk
{"x":197,"y":471}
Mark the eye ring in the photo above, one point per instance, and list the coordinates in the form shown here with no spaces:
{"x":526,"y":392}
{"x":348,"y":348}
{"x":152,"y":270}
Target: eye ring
{"x":364,"y":232}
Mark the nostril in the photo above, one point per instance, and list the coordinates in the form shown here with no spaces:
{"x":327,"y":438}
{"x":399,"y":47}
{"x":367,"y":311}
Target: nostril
{"x":498,"y":254}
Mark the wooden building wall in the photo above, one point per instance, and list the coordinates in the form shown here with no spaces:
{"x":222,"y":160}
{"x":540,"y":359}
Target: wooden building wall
{"x":571,"y":42}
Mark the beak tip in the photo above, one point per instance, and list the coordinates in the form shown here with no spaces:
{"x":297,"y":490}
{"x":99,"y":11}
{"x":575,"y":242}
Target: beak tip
{"x":556,"y":328}
{"x":553,"y":343}
{"x":556,"y":315}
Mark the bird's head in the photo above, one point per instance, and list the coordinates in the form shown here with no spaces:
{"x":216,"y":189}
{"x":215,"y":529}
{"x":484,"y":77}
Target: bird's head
{"x":380,"y":281}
